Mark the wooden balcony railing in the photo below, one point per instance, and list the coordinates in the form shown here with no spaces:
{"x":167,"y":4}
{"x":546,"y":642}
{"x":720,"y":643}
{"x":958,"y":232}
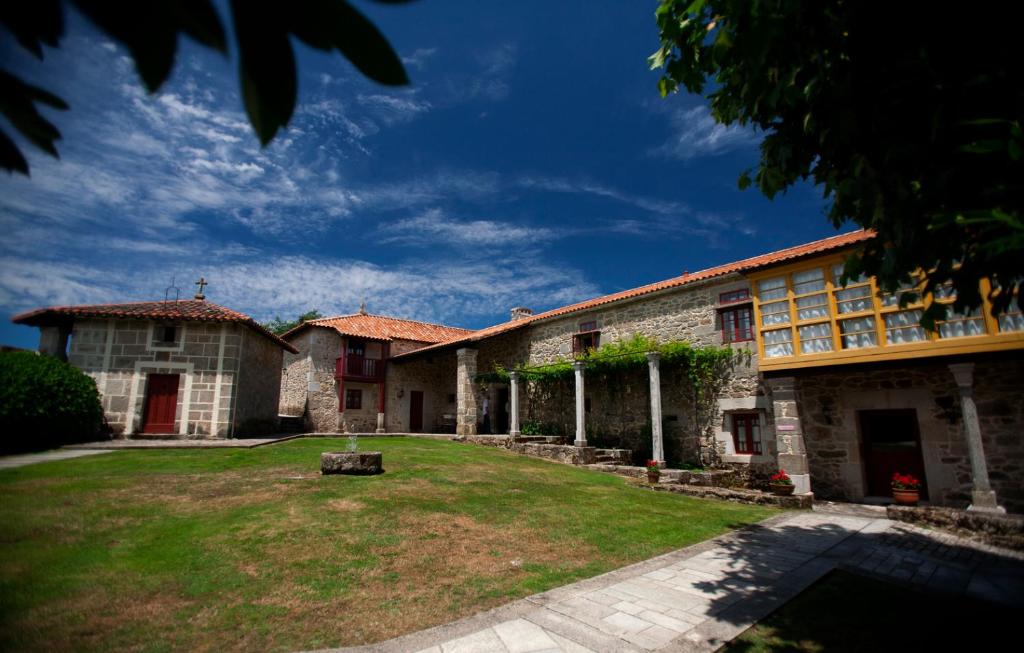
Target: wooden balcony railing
{"x":359,"y":368}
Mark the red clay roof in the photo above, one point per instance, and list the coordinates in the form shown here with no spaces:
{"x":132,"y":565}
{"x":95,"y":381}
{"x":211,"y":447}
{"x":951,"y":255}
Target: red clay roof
{"x":381,"y":327}
{"x":745,"y":265}
{"x":184,"y":310}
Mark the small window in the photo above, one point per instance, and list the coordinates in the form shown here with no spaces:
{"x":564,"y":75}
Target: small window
{"x":588,"y":326}
{"x":165,"y":334}
{"x":734,"y":296}
{"x":737,"y":324}
{"x":451,"y":398}
{"x":746,"y":433}
{"x":584,"y":343}
{"x":353,"y":399}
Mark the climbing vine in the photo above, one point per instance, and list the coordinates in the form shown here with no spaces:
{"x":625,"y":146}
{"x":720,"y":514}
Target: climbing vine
{"x":697,"y":373}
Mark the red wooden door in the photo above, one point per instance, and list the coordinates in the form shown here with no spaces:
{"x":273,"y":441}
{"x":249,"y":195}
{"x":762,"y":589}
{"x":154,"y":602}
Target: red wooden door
{"x":415,"y":411}
{"x":161,"y":403}
{"x":891,"y":444}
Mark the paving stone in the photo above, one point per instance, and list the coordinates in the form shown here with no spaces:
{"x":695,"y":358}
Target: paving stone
{"x":652,"y":638}
{"x":484,"y":641}
{"x":623,"y":623}
{"x":665,"y":621}
{"x":521,"y":636}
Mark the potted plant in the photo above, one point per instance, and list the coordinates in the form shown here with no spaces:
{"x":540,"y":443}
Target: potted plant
{"x":906,"y":489}
{"x":653,"y":471}
{"x":781,"y":484}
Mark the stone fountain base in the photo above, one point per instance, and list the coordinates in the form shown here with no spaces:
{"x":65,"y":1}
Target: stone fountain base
{"x":357,"y":463}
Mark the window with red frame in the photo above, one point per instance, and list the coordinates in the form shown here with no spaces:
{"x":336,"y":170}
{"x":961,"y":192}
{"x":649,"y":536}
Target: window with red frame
{"x":353,"y":399}
{"x":734,"y":296}
{"x":746,"y":433}
{"x":737,"y":324}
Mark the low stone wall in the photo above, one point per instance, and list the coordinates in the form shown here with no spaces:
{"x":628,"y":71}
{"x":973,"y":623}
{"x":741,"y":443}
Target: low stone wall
{"x":557,"y":452}
{"x":999,"y":530}
{"x":740,"y":495}
{"x":486,"y":440}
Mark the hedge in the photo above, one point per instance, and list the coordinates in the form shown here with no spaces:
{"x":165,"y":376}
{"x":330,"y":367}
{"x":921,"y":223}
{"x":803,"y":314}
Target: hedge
{"x":45,"y":403}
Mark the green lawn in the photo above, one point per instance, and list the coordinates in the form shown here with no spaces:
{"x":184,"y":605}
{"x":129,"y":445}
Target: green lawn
{"x":253,"y":549}
{"x":846,"y":613}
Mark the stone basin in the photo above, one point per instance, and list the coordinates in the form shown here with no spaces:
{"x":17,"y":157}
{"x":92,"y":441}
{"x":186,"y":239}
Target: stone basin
{"x":357,"y":463}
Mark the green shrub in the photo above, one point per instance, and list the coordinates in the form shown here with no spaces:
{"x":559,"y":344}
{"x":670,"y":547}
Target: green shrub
{"x":45,"y":403}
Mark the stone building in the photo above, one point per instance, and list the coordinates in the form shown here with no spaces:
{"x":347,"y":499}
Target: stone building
{"x":337,"y":378}
{"x":182,"y":368}
{"x":841,"y":386}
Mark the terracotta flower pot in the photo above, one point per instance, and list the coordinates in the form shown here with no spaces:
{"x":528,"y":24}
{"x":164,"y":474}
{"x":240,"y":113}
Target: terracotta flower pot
{"x":906,"y":497}
{"x":782,"y":489}
{"x":652,"y":477}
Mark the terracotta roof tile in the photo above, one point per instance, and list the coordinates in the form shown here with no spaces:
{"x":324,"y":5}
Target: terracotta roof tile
{"x":745,"y":265}
{"x":381,"y":327}
{"x":184,"y":310}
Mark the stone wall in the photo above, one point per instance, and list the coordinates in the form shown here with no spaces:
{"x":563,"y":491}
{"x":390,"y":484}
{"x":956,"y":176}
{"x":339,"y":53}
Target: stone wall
{"x":322,"y":396}
{"x":619,"y":413}
{"x":829,"y":403}
{"x":259,"y":388}
{"x":364,"y":418}
{"x":295,"y":375}
{"x":120,"y":354}
{"x":433,"y":375}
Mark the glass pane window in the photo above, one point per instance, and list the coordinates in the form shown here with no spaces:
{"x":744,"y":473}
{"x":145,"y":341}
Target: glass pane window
{"x":734,"y":296}
{"x":853,"y":300}
{"x":858,"y":333}
{"x":944,"y":291}
{"x":816,"y":338}
{"x":808,"y":281}
{"x":775,"y":313}
{"x":770,"y":289}
{"x":778,"y":343}
{"x":737,"y":325}
{"x":904,"y":327}
{"x":961,"y":325}
{"x":746,"y":433}
{"x":1011,"y":321}
{"x":893,"y":298}
{"x":812,"y":307}
{"x":837,"y":275}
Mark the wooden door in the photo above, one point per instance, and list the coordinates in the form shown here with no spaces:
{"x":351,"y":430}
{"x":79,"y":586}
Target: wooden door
{"x":161,"y":403}
{"x":891,"y":443}
{"x":415,"y":411}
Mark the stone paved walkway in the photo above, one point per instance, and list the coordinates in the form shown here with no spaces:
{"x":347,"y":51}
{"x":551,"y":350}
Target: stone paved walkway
{"x":184,"y":443}
{"x":10,"y":462}
{"x":698,"y":598}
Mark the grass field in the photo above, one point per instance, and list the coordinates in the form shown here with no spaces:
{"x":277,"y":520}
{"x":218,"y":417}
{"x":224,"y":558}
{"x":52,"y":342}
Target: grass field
{"x":208,"y":550}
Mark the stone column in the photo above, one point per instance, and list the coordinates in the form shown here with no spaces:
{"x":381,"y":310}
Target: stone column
{"x":513,"y":404}
{"x":466,"y":392}
{"x":657,"y":440}
{"x":789,"y":433}
{"x":581,"y":416}
{"x":380,"y":408}
{"x":983,"y":497}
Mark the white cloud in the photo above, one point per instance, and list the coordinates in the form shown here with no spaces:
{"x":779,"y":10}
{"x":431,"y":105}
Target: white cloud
{"x":419,"y":57}
{"x":433,"y":226}
{"x":697,"y":134}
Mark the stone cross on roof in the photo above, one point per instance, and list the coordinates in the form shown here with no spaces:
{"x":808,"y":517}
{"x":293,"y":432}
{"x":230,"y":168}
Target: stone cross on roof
{"x":202,"y":284}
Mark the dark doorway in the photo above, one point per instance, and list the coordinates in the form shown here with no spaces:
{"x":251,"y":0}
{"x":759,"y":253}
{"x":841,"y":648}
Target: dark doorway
{"x":415,"y":411}
{"x":891,"y":443}
{"x":161,"y":403}
{"x":500,"y":422}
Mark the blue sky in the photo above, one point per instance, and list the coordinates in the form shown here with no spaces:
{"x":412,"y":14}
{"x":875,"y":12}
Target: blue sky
{"x":531,"y":162}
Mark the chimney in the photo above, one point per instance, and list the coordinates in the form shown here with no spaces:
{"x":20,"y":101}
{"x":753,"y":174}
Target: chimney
{"x":521,"y":312}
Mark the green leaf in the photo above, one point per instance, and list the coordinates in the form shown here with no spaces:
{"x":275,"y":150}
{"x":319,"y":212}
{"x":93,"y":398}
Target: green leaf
{"x":266,"y":66}
{"x":34,"y":24}
{"x":11,"y":158}
{"x":334,"y":24}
